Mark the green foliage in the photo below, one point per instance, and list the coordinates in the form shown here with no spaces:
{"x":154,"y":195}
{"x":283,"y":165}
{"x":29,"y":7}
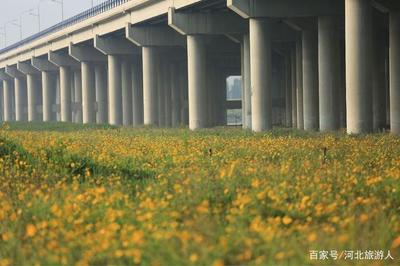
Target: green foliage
{"x":93,"y":195}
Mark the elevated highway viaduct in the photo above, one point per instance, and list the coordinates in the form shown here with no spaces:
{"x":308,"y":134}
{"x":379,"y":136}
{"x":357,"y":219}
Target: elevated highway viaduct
{"x":307,"y":64}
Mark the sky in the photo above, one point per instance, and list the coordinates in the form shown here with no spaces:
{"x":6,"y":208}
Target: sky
{"x":50,"y":14}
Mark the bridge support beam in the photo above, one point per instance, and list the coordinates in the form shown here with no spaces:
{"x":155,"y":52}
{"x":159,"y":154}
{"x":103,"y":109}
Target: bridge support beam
{"x":293,"y":71}
{"x":183,"y":83}
{"x":161,"y":91}
{"x":65,"y":64}
{"x":197,"y":68}
{"x":221,"y":98}
{"x":175,"y":95}
{"x":247,"y":81}
{"x":7,"y":96}
{"x":328,"y":56}
{"x":101,"y":94}
{"x":288,"y":92}
{"x":196,"y":27}
{"x":114,"y":91}
{"x":166,"y":86}
{"x":137,"y":93}
{"x":127,"y":111}
{"x":299,"y":80}
{"x":21,"y":101}
{"x":379,"y":78}
{"x":65,"y":94}
{"x":48,"y":86}
{"x":394,"y":58}
{"x":358,"y":63}
{"x":261,"y":74}
{"x":114,"y":48}
{"x":78,"y":97}
{"x":165,"y":37}
{"x":88,"y":93}
{"x":285,"y":8}
{"x":310,"y":80}
{"x":150,"y":91}
{"x":1,"y":102}
{"x":49,"y":93}
{"x":88,"y":57}
{"x":160,"y":36}
{"x":33,"y":89}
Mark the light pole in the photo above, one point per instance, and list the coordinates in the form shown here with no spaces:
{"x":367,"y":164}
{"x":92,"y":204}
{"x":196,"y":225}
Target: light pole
{"x":28,"y":12}
{"x":5,"y":30}
{"x":15,"y":23}
{"x":61,"y":3}
{"x":3,"y":33}
{"x":19,"y":25}
{"x":31,"y":12}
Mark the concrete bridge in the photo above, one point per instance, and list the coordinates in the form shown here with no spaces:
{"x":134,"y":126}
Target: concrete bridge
{"x":307,"y":64}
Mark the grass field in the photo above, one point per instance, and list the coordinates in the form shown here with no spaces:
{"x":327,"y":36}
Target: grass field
{"x":100,"y":195}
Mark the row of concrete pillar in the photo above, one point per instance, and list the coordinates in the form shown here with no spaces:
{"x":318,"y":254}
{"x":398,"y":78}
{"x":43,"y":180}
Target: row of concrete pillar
{"x":329,"y":75}
{"x":97,"y":93}
{"x":330,"y":80}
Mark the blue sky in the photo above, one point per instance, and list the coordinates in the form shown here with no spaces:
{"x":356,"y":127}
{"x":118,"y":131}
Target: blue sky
{"x":50,"y":14}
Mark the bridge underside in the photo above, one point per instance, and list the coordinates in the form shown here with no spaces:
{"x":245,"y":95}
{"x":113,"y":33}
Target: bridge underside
{"x":306,"y":64}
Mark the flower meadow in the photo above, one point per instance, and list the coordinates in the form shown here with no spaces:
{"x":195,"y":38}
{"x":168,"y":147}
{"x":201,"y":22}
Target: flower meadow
{"x":87,"y":195}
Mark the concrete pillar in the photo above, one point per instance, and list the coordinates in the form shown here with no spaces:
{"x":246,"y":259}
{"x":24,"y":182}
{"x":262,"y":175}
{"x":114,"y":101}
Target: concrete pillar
{"x":221,"y":95}
{"x":167,"y":95}
{"x":358,"y":66}
{"x":65,"y":94}
{"x":137,"y":92}
{"x":78,"y":96}
{"x":48,"y":85}
{"x":197,"y":81}
{"x":275,"y":92}
{"x":210,"y":100}
{"x":379,"y":85}
{"x":183,"y":83}
{"x":7,"y":100}
{"x":342,"y":90}
{"x":32,"y":91}
{"x":387,"y":79}
{"x":246,"y":76}
{"x":242,"y":83}
{"x":126,"y":71}
{"x":57,"y":101}
{"x":101,"y":94}
{"x":212,"y":97}
{"x":288,"y":92}
{"x":73,"y":105}
{"x":293,"y":57}
{"x":261,"y":80}
{"x":175,"y":95}
{"x":328,"y":62}
{"x":394,"y":66}
{"x":1,"y":102}
{"x":88,"y":93}
{"x":161,"y":92}
{"x":299,"y":81}
{"x":150,"y":91}
{"x":114,"y":91}
{"x":310,"y":80}
{"x":20,"y":99}
{"x":282,"y":90}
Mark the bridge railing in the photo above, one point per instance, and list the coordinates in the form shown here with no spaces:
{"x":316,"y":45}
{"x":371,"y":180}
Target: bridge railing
{"x":101,"y":8}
